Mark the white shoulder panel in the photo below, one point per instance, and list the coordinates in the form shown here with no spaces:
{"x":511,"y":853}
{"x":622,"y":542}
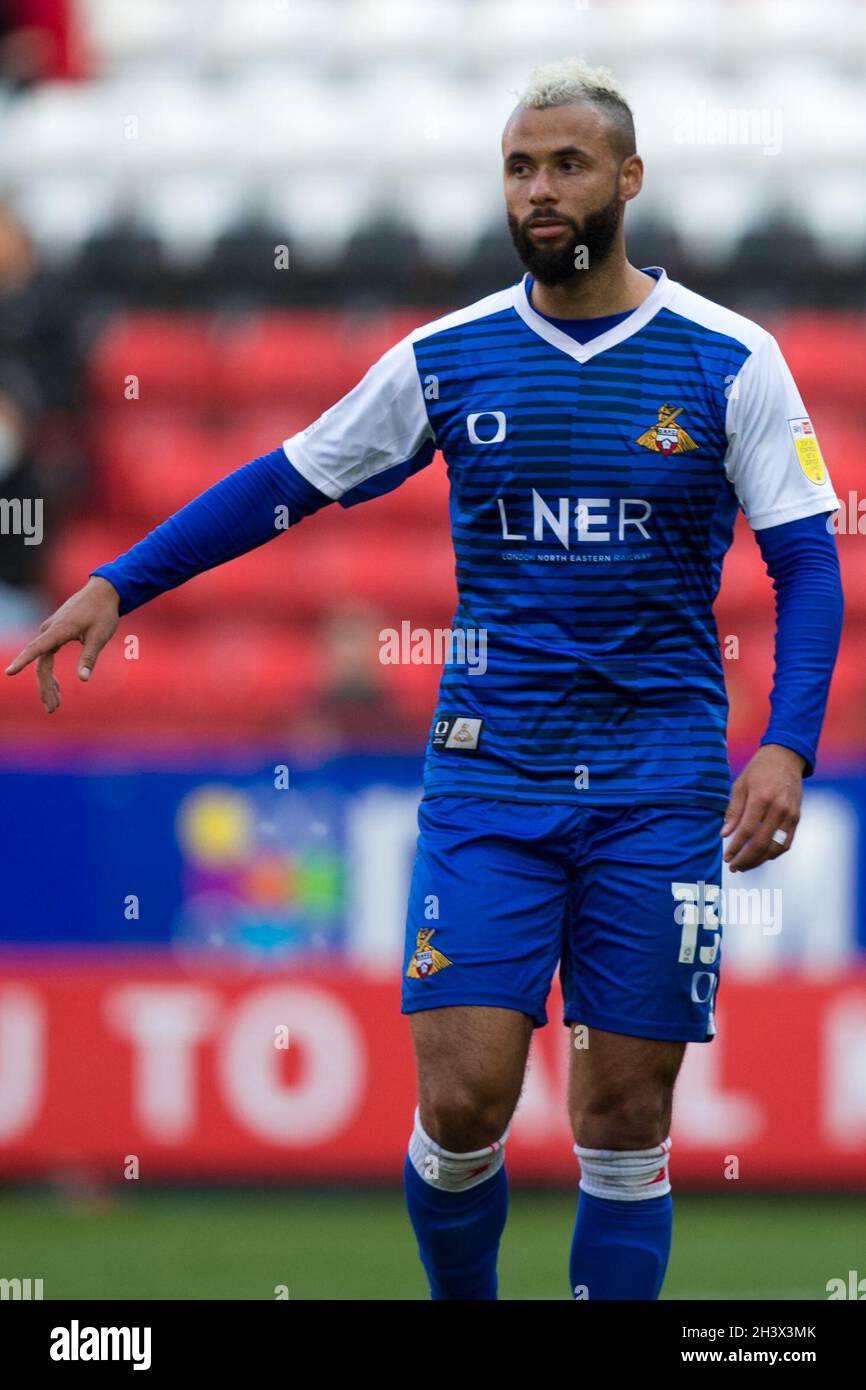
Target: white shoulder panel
{"x":774,"y":460}
{"x":380,"y":423}
{"x":383,"y":421}
{"x":715,"y":317}
{"x":490,"y":304}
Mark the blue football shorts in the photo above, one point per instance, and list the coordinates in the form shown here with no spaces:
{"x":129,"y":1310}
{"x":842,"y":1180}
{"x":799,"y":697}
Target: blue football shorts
{"x":625,"y":900}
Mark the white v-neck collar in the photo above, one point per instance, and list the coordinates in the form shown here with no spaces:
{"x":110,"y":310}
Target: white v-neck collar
{"x":582,"y":352}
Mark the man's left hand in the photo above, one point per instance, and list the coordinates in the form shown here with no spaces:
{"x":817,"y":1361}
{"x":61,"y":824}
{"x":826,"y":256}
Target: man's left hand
{"x":765,"y":798}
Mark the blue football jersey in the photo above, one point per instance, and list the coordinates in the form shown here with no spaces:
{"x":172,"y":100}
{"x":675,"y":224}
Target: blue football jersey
{"x":593,"y":492}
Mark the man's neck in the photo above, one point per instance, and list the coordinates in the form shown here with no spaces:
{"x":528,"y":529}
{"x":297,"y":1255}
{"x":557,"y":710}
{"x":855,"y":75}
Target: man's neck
{"x":613,"y":288}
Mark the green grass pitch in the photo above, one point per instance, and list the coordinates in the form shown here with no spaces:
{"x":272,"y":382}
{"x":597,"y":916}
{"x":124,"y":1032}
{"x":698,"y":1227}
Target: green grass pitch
{"x":340,"y":1245}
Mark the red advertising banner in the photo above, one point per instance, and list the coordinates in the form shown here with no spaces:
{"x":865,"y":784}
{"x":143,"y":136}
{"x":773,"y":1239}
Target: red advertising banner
{"x":309,"y":1076}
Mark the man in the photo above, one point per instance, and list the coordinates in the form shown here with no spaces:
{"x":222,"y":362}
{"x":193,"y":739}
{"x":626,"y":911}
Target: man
{"x":601,"y":425}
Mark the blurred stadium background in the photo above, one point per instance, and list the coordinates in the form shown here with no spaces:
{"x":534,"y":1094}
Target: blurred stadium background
{"x":214,"y":217}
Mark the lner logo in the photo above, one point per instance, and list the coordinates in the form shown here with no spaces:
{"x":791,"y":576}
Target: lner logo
{"x":604,"y":520}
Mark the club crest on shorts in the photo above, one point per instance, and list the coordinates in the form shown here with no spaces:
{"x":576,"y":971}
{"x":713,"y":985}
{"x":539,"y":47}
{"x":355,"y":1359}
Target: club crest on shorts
{"x":426,"y":960}
{"x":665,"y":437}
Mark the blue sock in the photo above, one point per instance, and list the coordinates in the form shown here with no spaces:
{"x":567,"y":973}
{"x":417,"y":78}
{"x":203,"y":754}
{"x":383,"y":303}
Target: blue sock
{"x":620,"y":1249}
{"x":458,"y":1233}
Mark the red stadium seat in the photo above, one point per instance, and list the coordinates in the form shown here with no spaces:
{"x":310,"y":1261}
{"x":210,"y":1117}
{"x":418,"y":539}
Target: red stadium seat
{"x":309,"y":571}
{"x":245,"y":434}
{"x":296,"y":360}
{"x":154,"y":463}
{"x":168,"y":354}
{"x":851,"y":564}
{"x":223,"y":677}
{"x":748,"y":678}
{"x":368,"y":336}
{"x":843,"y":443}
{"x":845,"y":723}
{"x":80,"y":547}
{"x":415,"y":689}
{"x":404,"y":572}
{"x":151,"y":464}
{"x":745,"y":582}
{"x":827,"y":356}
{"x":305,"y":360}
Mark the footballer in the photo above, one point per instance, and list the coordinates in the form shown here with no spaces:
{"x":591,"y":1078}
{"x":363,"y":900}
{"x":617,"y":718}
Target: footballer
{"x":601,"y":425}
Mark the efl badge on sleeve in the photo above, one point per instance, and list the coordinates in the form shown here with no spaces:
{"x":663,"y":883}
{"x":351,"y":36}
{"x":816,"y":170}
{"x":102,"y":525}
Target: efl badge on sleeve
{"x":426,"y":960}
{"x":808,"y":449}
{"x":667,"y":437}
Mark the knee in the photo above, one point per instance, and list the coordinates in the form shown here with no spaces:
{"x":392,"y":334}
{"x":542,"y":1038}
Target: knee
{"x":463,"y":1118}
{"x":613,"y":1118}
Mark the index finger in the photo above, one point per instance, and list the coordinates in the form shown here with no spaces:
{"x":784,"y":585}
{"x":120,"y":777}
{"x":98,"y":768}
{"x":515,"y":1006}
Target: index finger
{"x":40,"y":646}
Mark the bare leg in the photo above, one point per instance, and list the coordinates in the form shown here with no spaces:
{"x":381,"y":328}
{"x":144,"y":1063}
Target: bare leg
{"x":620,"y":1090}
{"x":470,"y":1063}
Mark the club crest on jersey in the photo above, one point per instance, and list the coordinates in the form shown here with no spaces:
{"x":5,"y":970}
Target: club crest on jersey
{"x":667,"y":437}
{"x":426,"y":960}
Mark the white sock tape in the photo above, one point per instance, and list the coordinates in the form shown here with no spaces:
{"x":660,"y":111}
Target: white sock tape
{"x":626,"y":1175}
{"x":450,"y":1171}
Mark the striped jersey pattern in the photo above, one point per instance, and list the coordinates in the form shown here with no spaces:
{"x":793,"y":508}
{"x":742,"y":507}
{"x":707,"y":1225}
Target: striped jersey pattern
{"x":593,"y":493}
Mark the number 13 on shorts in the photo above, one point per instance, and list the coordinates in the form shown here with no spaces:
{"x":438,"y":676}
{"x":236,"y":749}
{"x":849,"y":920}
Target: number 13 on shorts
{"x":695,"y":909}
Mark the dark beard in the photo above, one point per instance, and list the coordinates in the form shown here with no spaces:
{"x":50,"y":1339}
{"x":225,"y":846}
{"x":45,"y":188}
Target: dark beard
{"x":550,"y":266}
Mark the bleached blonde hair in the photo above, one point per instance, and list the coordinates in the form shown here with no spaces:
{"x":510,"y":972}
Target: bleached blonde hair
{"x":554,"y":84}
{"x":570,"y":79}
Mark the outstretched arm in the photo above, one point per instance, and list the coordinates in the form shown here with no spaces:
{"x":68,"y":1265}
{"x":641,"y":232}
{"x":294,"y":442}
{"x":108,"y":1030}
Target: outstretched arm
{"x":239,"y":513}
{"x":242,"y":511}
{"x":366,"y":444}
